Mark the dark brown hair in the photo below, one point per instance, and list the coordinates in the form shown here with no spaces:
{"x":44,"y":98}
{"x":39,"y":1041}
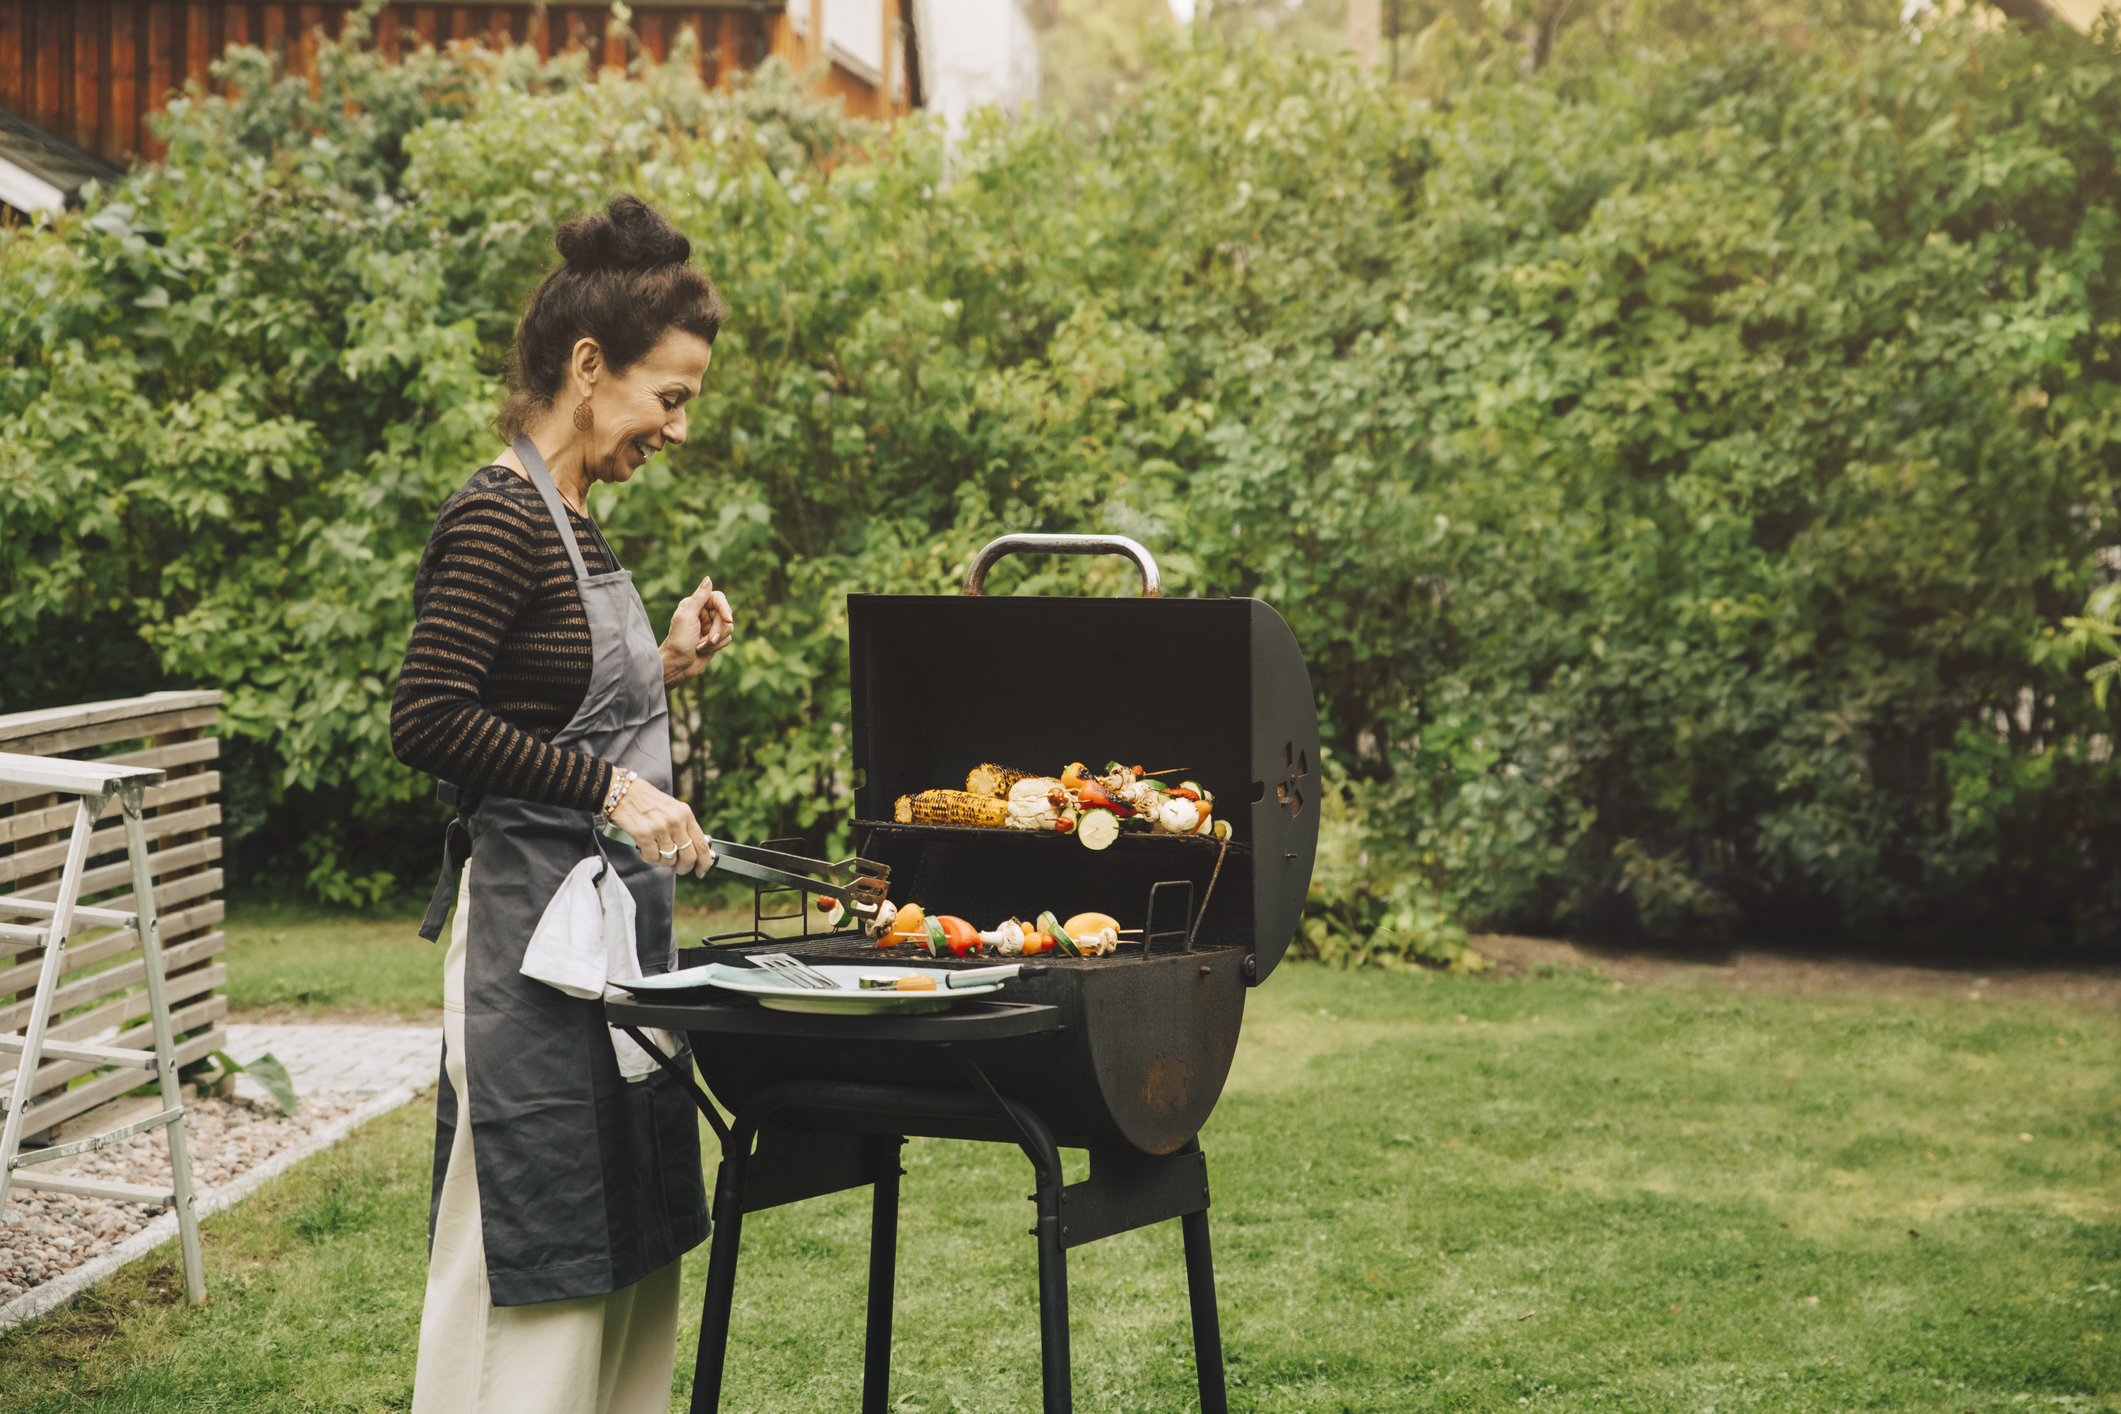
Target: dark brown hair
{"x":623,"y":282}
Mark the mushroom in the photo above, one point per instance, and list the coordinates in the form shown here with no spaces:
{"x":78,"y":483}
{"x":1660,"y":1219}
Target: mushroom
{"x":1008,"y":939}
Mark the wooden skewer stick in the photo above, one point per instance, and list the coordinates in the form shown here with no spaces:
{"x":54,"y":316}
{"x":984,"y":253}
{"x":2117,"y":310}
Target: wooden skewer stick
{"x":1169,"y":771}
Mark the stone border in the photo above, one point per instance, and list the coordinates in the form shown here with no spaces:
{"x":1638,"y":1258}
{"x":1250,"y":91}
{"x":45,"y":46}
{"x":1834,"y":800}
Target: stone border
{"x":49,"y":1297}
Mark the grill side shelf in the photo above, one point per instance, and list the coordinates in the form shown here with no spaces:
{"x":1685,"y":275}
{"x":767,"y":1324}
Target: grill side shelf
{"x":968,"y":1021}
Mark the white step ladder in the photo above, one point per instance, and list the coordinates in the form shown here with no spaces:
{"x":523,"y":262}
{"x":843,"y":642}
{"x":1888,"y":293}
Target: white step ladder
{"x":93,"y":785}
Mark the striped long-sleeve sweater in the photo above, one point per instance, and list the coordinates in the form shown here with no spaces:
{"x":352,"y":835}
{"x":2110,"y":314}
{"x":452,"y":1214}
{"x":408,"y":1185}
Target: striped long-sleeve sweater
{"x":500,"y":656}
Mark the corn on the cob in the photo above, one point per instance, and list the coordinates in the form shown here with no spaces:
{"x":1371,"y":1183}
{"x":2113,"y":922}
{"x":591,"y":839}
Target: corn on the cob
{"x":951,"y":807}
{"x":990,"y":779}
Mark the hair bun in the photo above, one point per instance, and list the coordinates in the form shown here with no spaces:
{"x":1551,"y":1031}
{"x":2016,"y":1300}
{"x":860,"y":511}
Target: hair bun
{"x":629,"y":234}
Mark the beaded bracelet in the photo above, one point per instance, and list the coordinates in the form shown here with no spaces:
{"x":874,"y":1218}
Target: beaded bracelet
{"x":621,"y":781}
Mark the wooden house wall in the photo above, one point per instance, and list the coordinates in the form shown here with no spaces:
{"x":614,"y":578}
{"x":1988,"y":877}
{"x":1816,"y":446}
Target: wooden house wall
{"x":91,"y":71}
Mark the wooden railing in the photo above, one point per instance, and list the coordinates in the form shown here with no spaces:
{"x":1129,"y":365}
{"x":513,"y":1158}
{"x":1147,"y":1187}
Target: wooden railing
{"x":101,"y":989}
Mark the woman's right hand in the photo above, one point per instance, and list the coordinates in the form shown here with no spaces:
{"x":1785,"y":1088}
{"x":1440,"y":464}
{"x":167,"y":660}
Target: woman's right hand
{"x":664,"y":830}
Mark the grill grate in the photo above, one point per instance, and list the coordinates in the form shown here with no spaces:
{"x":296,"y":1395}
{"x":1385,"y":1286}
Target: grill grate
{"x":1048,"y":838}
{"x":854,"y":948}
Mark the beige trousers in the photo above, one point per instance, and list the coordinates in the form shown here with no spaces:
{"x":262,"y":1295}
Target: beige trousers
{"x":592,"y":1355}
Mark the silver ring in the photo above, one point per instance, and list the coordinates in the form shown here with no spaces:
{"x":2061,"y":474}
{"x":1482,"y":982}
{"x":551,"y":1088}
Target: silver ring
{"x":670,"y":853}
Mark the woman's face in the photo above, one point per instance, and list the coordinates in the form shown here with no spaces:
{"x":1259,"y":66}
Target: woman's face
{"x":643,"y":411}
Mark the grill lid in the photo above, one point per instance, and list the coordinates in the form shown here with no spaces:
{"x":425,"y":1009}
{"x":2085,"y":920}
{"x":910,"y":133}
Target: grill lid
{"x":943,"y":683}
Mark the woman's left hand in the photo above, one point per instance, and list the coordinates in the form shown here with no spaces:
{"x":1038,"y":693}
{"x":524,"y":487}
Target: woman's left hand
{"x":701,"y":628}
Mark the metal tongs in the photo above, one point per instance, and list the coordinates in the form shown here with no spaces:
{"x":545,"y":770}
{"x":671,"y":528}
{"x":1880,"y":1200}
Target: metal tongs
{"x":858,"y":883}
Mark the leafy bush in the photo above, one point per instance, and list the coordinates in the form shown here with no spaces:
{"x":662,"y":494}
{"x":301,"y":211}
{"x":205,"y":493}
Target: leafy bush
{"x":1669,"y":463}
{"x":2095,"y":633}
{"x":1371,"y":903}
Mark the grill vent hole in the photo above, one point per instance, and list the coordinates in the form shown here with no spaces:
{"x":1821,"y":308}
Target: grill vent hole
{"x":1298,"y":765}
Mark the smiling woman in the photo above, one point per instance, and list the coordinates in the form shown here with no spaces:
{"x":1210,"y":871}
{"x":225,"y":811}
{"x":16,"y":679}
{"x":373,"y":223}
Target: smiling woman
{"x":566,"y":1192}
{"x":624,"y":295}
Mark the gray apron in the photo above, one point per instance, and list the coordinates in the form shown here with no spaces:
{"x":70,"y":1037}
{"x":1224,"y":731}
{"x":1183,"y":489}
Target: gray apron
{"x":586,"y":1183}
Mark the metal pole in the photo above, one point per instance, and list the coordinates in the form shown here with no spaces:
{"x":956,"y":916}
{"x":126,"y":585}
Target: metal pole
{"x":1056,"y":1384}
{"x":1032,"y":1136}
{"x":150,"y":927}
{"x":720,"y":1298}
{"x":1207,"y":1326}
{"x":40,"y":1010}
{"x":683,"y":1075}
{"x":883,"y":1271}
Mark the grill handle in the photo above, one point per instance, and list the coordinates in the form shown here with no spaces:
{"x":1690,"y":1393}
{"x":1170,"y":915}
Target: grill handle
{"x":1152,"y":579}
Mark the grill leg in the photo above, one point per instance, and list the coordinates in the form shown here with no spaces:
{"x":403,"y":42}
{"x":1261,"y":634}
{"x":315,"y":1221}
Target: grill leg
{"x":1054,"y":1375}
{"x":1036,"y":1141}
{"x":883,"y":1271}
{"x":1207,"y":1327}
{"x":721,"y":1283}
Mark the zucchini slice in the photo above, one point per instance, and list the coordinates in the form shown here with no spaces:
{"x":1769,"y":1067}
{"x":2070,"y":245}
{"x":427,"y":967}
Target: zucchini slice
{"x":1097,"y":829}
{"x":1050,"y":925}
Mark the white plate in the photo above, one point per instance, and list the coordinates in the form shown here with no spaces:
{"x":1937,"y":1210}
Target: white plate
{"x":850,"y":1000}
{"x":685,"y":979}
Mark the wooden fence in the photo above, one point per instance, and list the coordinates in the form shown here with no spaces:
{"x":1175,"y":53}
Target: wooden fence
{"x":102,"y":989}
{"x":91,"y":71}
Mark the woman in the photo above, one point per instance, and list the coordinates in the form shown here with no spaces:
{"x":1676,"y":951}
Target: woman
{"x":533,"y":685}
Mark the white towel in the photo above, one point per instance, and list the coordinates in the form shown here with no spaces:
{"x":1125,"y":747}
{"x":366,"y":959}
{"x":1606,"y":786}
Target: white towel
{"x":635,"y":1063}
{"x":584,"y":942}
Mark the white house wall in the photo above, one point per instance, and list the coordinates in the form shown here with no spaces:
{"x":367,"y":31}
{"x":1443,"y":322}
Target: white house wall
{"x":975,"y":54}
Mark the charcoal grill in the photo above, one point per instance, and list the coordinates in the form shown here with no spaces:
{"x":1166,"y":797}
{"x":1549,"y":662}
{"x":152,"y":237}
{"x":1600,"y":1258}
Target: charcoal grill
{"x":1123,"y":1055}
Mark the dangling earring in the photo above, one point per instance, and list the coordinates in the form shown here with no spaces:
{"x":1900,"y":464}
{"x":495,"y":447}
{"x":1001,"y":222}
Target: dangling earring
{"x":585,"y":416}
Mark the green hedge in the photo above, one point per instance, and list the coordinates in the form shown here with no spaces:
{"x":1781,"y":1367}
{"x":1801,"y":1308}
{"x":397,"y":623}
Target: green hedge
{"x":1671,"y":464}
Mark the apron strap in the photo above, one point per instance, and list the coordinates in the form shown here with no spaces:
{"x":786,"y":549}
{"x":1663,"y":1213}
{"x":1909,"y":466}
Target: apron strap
{"x":527,"y":452}
{"x":456,"y":848}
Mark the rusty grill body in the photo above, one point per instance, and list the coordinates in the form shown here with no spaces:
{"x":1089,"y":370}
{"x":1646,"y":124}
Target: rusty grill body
{"x":1123,"y":1055}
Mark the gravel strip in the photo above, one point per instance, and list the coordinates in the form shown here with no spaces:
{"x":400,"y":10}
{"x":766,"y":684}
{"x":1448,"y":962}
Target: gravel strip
{"x":46,"y":1235}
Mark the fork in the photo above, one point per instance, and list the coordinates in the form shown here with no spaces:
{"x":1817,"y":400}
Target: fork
{"x":781,"y":965}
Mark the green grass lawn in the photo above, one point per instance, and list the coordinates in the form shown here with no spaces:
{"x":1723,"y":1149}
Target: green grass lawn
{"x":1431,"y":1193}
{"x":300,"y":960}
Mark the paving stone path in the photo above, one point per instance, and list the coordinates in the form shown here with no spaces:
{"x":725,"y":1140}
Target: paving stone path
{"x":362,"y":1060}
{"x":54,"y":1245}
